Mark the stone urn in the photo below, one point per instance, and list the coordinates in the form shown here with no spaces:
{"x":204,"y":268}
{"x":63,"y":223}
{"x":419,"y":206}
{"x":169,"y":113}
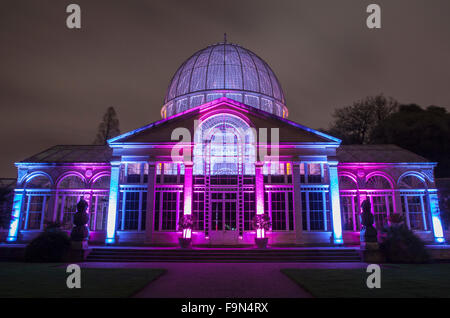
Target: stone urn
{"x":261,"y":242}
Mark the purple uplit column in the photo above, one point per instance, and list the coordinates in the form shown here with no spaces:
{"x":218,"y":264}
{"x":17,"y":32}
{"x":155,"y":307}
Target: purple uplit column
{"x":259,"y":195}
{"x":297,"y":202}
{"x":259,"y":191}
{"x":335,"y":202}
{"x":188,"y":193}
{"x":149,"y":220}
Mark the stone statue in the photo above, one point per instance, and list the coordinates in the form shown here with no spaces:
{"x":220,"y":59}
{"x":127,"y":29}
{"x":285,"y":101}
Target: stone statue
{"x":80,"y":231}
{"x":368,"y":233}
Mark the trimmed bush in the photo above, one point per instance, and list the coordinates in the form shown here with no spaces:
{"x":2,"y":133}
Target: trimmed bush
{"x":50,"y":246}
{"x":401,"y":245}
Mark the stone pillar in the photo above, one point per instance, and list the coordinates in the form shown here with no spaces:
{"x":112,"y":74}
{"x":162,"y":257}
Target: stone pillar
{"x":149,"y":217}
{"x":15,"y":215}
{"x":335,"y":203}
{"x":259,"y":188}
{"x":112,"y":204}
{"x":188,"y":188}
{"x":297,"y":203}
{"x":435,"y":212}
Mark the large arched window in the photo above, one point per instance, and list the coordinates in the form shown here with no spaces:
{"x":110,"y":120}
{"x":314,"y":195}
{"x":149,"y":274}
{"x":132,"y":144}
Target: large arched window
{"x":70,"y":190}
{"x":36,"y":204}
{"x":414,"y":201}
{"x":379,"y":190}
{"x":224,"y":145}
{"x":72,"y":182}
{"x":349,"y":203}
{"x":99,"y":203}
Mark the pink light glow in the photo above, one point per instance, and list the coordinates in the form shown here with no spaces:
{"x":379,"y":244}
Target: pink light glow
{"x":187,"y":233}
{"x":188,"y":188}
{"x":260,"y":233}
{"x":259,"y":180}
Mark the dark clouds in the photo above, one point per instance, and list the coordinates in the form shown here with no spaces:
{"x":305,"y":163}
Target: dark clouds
{"x":56,"y":83}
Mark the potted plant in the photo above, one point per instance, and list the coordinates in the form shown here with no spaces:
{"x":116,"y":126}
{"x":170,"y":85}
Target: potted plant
{"x":261,"y":223}
{"x":185,"y":225}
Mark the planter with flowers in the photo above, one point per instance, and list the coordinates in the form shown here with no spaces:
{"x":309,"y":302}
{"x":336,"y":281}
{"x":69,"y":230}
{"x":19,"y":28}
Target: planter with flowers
{"x":185,"y":225}
{"x":262,"y":224}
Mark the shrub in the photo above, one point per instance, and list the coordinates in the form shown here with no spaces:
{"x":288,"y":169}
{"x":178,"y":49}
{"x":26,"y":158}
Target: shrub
{"x":50,"y":246}
{"x":401,"y":245}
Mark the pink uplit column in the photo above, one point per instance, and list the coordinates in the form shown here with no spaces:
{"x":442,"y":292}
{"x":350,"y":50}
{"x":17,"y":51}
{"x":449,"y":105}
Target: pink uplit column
{"x":188,"y":188}
{"x":188,"y":193}
{"x":149,"y":220}
{"x":259,"y":191}
{"x":297,"y":202}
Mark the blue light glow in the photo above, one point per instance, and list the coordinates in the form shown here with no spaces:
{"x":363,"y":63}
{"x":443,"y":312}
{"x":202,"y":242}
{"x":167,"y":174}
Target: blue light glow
{"x":15,"y":216}
{"x":335,"y":204}
{"x":112,"y":205}
{"x":435,"y":215}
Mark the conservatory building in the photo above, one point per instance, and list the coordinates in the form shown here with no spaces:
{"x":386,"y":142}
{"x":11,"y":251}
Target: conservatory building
{"x":223,"y":153}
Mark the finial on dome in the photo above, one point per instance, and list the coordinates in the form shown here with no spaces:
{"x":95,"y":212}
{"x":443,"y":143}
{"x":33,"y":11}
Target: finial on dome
{"x":224,"y":38}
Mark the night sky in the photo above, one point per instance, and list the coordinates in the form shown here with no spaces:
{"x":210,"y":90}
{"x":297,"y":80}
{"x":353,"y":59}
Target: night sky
{"x":56,"y":83}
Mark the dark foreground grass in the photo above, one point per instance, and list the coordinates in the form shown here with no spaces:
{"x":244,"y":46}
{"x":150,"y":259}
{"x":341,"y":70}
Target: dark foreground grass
{"x":426,"y":280}
{"x":49,"y":280}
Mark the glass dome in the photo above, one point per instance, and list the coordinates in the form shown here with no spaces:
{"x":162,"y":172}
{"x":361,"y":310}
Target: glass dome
{"x":224,"y":69}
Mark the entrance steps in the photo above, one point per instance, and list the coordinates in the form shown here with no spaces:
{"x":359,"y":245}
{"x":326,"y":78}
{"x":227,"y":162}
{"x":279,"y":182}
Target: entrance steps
{"x":221,"y":255}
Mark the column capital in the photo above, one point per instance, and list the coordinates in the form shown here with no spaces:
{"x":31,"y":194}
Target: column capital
{"x":259,"y":163}
{"x":188,"y":164}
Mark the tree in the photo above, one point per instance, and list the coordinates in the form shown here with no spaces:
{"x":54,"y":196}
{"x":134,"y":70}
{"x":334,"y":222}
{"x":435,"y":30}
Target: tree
{"x":354,"y":124}
{"x":108,"y":128}
{"x":422,"y":131}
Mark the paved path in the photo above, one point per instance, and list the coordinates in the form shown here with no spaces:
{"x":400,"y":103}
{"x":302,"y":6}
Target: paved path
{"x":224,"y":280}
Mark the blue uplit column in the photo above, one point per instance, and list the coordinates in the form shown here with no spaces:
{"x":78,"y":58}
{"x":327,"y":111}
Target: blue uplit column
{"x":15,"y":215}
{"x":112,"y":204}
{"x":335,"y":203}
{"x":435,"y":216}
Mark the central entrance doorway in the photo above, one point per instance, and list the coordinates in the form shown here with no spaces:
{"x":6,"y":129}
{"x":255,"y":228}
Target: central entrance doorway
{"x":223,"y":216}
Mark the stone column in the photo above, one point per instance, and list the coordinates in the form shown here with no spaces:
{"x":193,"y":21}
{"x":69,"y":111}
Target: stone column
{"x":259,"y":188}
{"x":112,"y":204}
{"x":149,"y":217}
{"x":188,"y":188}
{"x":335,"y":203}
{"x":297,"y":203}
{"x":15,"y":215}
{"x":433,"y":203}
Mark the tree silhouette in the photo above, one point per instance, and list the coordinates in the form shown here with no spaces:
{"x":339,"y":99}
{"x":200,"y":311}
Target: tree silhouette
{"x":422,"y":131}
{"x":355,"y":123}
{"x":108,"y":128}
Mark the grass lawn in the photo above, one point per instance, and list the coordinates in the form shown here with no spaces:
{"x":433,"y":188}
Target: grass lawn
{"x":425,"y":280}
{"x":49,"y":280}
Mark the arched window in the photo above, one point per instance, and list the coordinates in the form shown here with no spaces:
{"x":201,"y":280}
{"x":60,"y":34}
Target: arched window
{"x":378,"y":182}
{"x":36,"y":205}
{"x":70,"y":190}
{"x":347,"y":183}
{"x":224,"y":144}
{"x":411,"y":182}
{"x":38,"y":182}
{"x":349,"y":203}
{"x":414,"y":202}
{"x":72,"y":182}
{"x":102,"y":183}
{"x":379,"y":191}
{"x":99,"y":203}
